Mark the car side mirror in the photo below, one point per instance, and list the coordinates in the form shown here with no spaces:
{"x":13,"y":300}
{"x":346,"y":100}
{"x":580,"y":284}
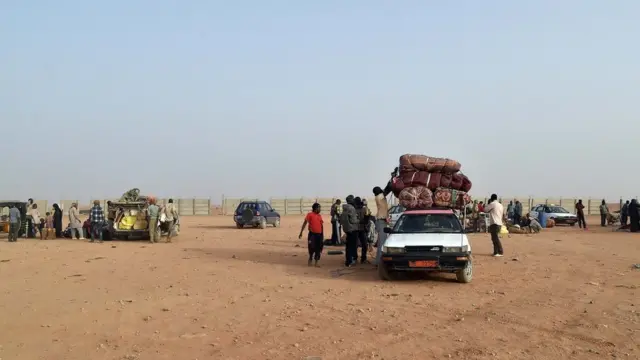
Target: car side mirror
{"x":388,"y":230}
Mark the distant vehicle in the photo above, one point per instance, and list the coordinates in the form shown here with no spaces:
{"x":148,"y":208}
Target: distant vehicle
{"x":394,"y":214}
{"x":559,"y":214}
{"x":257,"y":214}
{"x":430,"y":240}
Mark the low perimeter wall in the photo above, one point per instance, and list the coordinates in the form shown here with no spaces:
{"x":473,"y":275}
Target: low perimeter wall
{"x":298,"y":206}
{"x":186,"y":207}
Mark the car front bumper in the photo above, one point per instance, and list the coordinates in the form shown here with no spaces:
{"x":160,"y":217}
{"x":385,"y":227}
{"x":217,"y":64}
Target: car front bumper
{"x":565,"y":220}
{"x":449,"y":262}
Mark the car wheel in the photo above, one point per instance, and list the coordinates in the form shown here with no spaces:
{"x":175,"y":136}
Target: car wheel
{"x":276,"y":223}
{"x":239,"y":226}
{"x":465,"y":275}
{"x":263,"y":223}
{"x":384,"y":273}
{"x":572,"y":224}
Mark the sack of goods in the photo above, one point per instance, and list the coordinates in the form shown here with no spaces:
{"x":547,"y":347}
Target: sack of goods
{"x":422,"y":181}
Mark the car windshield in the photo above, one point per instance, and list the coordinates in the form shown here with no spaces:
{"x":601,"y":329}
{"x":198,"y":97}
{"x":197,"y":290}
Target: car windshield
{"x":428,"y":223}
{"x":557,"y":210}
{"x":243,"y":206}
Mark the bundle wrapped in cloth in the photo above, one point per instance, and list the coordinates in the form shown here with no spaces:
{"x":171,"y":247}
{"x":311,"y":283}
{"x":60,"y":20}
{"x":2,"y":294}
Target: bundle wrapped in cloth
{"x":432,"y":181}
{"x":412,"y":162}
{"x":451,"y":198}
{"x":417,"y":197}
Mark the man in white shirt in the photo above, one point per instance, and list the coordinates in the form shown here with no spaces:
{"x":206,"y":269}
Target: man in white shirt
{"x":496,"y":214}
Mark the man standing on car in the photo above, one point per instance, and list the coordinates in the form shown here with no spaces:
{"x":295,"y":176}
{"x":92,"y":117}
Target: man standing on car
{"x":349,"y":222}
{"x":336,"y":229}
{"x":315,"y":239}
{"x":496,"y":214}
{"x":97,"y":221}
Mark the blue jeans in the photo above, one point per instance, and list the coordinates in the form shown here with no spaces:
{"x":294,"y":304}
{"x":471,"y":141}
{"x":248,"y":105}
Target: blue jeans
{"x":382,"y":237}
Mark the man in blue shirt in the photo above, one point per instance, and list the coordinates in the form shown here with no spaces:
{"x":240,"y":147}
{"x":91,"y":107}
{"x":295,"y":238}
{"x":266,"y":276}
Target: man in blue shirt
{"x":14,"y":223}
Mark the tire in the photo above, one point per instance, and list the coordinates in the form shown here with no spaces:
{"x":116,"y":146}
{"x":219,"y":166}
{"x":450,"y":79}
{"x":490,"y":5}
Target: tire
{"x":263,"y":223}
{"x":572,"y":224}
{"x":239,"y":226}
{"x":276,"y":223}
{"x":465,"y":275}
{"x":384,"y":273}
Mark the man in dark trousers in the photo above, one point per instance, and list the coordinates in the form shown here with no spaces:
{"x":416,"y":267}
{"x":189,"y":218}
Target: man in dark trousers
{"x":496,"y":214}
{"x":349,"y":222}
{"x":315,"y":238}
{"x":582,"y":223}
{"x":517,"y":212}
{"x":336,"y":229}
{"x":624,"y":214}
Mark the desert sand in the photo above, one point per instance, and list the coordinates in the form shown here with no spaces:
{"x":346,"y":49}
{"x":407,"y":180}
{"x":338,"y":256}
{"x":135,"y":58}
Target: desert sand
{"x":218,"y":292}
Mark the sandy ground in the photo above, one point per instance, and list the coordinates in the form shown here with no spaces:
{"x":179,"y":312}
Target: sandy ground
{"x":222,"y":293}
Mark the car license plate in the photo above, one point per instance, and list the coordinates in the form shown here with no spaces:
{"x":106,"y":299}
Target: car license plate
{"x":424,"y":264}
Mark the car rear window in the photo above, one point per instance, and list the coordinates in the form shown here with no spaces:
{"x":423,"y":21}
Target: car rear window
{"x":428,"y":223}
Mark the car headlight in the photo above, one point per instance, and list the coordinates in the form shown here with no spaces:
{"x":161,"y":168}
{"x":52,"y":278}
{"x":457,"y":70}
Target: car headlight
{"x":392,"y":250}
{"x":455,"y":249}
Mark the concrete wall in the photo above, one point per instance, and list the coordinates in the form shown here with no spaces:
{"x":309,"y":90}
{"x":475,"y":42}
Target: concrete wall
{"x":298,"y":206}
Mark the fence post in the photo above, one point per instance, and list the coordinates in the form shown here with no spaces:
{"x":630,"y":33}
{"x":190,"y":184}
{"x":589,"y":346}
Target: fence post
{"x":589,"y":206}
{"x":286,"y":206}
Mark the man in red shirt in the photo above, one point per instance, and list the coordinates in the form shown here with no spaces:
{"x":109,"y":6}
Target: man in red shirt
{"x":316,"y":233}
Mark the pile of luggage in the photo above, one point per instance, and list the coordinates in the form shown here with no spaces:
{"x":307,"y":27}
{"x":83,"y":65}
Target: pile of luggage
{"x":421,"y":182}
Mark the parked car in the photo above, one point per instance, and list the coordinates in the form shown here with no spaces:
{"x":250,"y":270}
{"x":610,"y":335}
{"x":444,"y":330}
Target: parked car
{"x":559,"y":214}
{"x":256,"y":214}
{"x":394,"y":214}
{"x":427,"y":240}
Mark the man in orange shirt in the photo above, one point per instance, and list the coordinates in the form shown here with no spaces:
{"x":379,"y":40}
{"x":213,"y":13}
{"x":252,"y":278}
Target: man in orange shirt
{"x":316,"y":233}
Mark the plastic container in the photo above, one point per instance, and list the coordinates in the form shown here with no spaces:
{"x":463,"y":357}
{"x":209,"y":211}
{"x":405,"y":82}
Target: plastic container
{"x":542,"y":217}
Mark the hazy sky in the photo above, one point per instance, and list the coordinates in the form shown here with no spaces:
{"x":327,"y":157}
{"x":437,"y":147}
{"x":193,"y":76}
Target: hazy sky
{"x":316,"y":98}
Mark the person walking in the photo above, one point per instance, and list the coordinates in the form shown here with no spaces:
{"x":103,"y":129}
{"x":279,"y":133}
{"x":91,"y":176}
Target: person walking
{"x":57,"y":220}
{"x":75,"y":222}
{"x":604,"y":211}
{"x":171,"y":213}
{"x":496,"y":214}
{"x":582,"y":223}
{"x":349,"y":222}
{"x":96,"y":216}
{"x":517,"y":212}
{"x":315,"y":238}
{"x":382,"y":217}
{"x":153,"y":213}
{"x":634,"y":216}
{"x":14,"y":223}
{"x":336,"y":229}
{"x":624,"y":213}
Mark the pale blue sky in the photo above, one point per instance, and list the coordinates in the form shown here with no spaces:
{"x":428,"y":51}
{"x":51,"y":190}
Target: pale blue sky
{"x":316,"y":98}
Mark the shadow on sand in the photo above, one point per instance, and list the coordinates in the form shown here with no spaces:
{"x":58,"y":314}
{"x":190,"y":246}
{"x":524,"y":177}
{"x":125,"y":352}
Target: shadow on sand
{"x":295,"y":263}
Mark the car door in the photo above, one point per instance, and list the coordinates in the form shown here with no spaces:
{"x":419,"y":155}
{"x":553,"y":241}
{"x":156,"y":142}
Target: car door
{"x":267,"y":212}
{"x":534,"y":212}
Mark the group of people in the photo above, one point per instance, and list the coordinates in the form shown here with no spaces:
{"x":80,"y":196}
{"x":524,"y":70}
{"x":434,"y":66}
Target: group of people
{"x":353,"y":218}
{"x":50,"y":225}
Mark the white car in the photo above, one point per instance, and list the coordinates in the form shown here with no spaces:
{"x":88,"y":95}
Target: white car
{"x":430,"y":240}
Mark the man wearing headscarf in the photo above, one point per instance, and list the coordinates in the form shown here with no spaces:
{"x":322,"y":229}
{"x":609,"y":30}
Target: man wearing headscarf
{"x":75,"y":222}
{"x":382,"y":216}
{"x":582,"y":223}
{"x":153,"y":214}
{"x":634,"y":215}
{"x":349,"y":222}
{"x":57,"y":220}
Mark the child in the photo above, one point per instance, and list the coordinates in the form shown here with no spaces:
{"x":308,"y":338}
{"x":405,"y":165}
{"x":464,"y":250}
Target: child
{"x":41,"y":228}
{"x":315,"y":238}
{"x":49,"y":226}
